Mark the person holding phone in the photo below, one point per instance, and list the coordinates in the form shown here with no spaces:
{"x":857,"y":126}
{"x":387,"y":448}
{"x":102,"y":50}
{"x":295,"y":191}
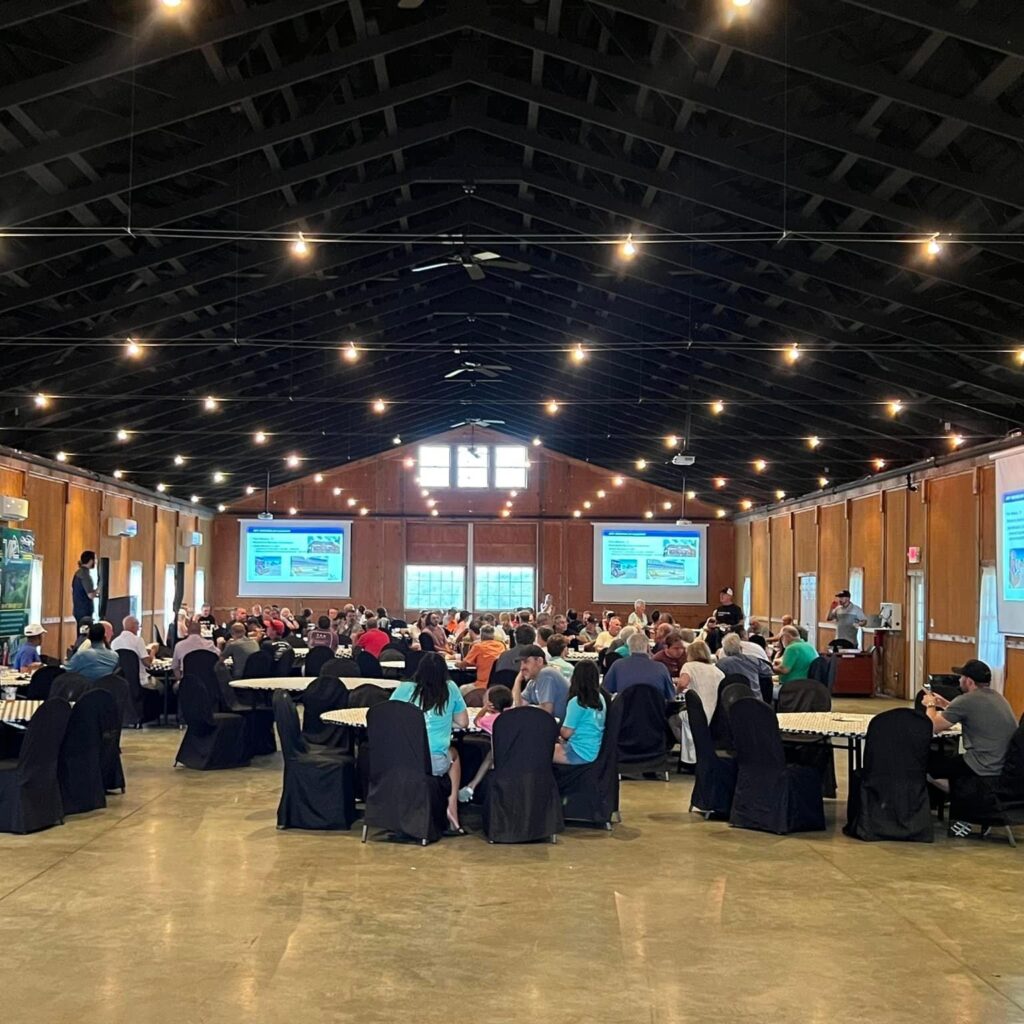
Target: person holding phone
{"x":847,"y":616}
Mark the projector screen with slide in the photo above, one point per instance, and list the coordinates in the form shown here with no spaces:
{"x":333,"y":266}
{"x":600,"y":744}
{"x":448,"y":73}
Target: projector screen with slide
{"x":653,"y":562}
{"x":1010,"y":541}
{"x":297,"y":558}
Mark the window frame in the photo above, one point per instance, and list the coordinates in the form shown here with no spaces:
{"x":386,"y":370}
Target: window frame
{"x":134,"y":597}
{"x":485,"y":451}
{"x":444,"y":602}
{"x":35,"y":590}
{"x":481,"y":606}
{"x":451,"y":471}
{"x":198,"y":593}
{"x":447,"y":468}
{"x":524,"y":468}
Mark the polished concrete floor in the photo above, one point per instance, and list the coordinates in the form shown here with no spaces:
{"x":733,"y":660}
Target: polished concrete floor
{"x":181,"y":902}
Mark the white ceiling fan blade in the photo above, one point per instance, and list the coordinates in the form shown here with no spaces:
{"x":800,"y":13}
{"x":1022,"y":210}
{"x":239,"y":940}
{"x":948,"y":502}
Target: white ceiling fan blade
{"x":454,"y":373}
{"x":462,"y":423}
{"x":430,"y":266}
{"x":476,"y":273}
{"x":511,"y":265}
{"x":409,"y":5}
{"x":486,"y":372}
{"x":486,"y":255}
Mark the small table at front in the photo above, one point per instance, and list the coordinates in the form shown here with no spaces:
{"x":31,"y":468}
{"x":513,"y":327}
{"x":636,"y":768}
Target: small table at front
{"x":297,"y":684}
{"x":356,"y":717}
{"x":18,"y":710}
{"x":851,"y":729}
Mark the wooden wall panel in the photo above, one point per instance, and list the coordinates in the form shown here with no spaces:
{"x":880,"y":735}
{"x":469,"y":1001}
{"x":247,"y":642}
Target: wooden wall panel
{"x":115,"y":548}
{"x":142,"y":548}
{"x":435,"y":543}
{"x":13,"y":482}
{"x":987,"y":513}
{"x":505,"y":544}
{"x":952,"y":580}
{"x":866,"y":538}
{"x":1013,"y":688}
{"x":805,"y":542}
{"x":917,"y":523}
{"x":782,"y":574}
{"x":46,"y":504}
{"x":760,"y":570}
{"x":552,"y":574}
{"x":894,"y":587}
{"x":742,"y":541}
{"x":833,"y":555}
{"x":166,"y":554}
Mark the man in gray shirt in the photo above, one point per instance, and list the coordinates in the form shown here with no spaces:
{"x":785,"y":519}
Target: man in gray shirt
{"x":987,"y":720}
{"x":539,"y":685}
{"x":238,"y":649}
{"x":735,"y":662}
{"x":847,"y":617}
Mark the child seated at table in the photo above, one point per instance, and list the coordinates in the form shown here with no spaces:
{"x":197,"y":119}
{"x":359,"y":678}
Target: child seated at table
{"x":497,"y":700}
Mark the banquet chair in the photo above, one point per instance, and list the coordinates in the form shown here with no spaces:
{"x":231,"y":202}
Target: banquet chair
{"x":506,"y":677}
{"x":814,"y":751}
{"x":720,"y":730}
{"x":889,"y":795}
{"x":41,"y":683}
{"x":324,"y":694}
{"x":521,"y":802}
{"x":202,"y":666}
{"x":113,"y":770}
{"x":590,"y":792}
{"x":403,"y":796}
{"x":316,"y":659}
{"x":996,"y":801}
{"x":392,"y":653}
{"x":212,"y":739}
{"x":318,"y":788}
{"x":29,"y":788}
{"x":258,"y":718}
{"x":606,"y":659}
{"x":367,"y":695}
{"x":643,"y":737}
{"x":80,"y":760}
{"x":369,"y":666}
{"x":715,"y":775}
{"x":770,"y":795}
{"x":70,"y":686}
{"x":340,"y":667}
{"x":285,"y":664}
{"x":144,"y":705}
{"x":259,"y":665}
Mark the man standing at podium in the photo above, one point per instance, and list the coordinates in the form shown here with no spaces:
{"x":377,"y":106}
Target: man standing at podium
{"x":847,"y":617}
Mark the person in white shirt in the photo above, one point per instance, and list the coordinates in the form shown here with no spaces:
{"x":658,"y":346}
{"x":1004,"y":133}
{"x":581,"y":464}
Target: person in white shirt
{"x":108,"y":631}
{"x":192,"y":642}
{"x":129,"y":640}
{"x":638,"y":616}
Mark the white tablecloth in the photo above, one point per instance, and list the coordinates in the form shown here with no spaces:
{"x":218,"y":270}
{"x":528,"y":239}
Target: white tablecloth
{"x":298,"y":683}
{"x":356,"y":717}
{"x":832,"y":723}
{"x":18,"y":710}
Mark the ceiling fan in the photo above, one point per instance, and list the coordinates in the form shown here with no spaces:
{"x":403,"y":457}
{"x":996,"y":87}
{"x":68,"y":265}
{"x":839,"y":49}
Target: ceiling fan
{"x":473,"y":263}
{"x":490,"y":371}
{"x":477,"y":423}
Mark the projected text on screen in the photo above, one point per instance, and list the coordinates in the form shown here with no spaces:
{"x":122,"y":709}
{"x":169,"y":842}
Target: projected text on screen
{"x":294,"y":554}
{"x":1012,"y":526}
{"x":632,"y":558}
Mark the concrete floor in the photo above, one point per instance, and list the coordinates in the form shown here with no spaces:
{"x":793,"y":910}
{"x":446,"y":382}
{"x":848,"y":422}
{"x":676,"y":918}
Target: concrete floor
{"x":182,"y":903}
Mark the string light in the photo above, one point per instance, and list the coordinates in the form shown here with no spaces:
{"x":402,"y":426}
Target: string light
{"x":179,"y":460}
{"x":431,"y":502}
{"x":741,"y":3}
{"x":364,"y":511}
{"x":379,"y":405}
{"x":666,"y":505}
{"x":210,"y":403}
{"x":746,"y":504}
{"x":318,"y":478}
{"x":259,"y":437}
{"x":823,"y":482}
{"x":337,"y":492}
{"x":352,"y":502}
{"x":249,"y":489}
{"x":161,"y":487}
{"x":552,"y":407}
{"x":122,"y":435}
{"x":194,"y":499}
{"x":508,"y":504}
{"x":513,"y":494}
{"x":300,"y":247}
{"x":61,"y":456}
{"x":759,"y":465}
{"x":132,"y":348}
{"x":576,"y":513}
{"x":424,"y":493}
{"x":933,"y":247}
{"x":879,"y":464}
{"x":579,"y":354}
{"x":628,"y":247}
{"x":117,"y":474}
{"x":720,"y":513}
{"x":1019,"y":356}
{"x":396,"y":439}
{"x":218,"y":477}
{"x":41,"y":401}
{"x":641,"y":463}
{"x":505,"y":513}
{"x":171,"y":4}
{"x":602,"y":494}
{"x":618,"y":481}
{"x":292,"y":511}
{"x":691,"y":495}
{"x":648,"y":514}
{"x":792,"y":353}
{"x":409,"y":462}
{"x":672,"y":441}
{"x":434,"y":512}
{"x":780,"y":495}
{"x":720,"y":482}
{"x":895,"y":407}
{"x":956,"y":440}
{"x":717,"y":407}
{"x":814,"y":442}
{"x":536,"y":442}
{"x":350,"y":353}
{"x":222,"y":508}
{"x":292,"y":461}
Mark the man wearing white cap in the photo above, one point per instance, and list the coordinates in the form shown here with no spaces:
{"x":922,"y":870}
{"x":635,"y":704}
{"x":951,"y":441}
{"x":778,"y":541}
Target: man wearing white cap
{"x":26,"y":657}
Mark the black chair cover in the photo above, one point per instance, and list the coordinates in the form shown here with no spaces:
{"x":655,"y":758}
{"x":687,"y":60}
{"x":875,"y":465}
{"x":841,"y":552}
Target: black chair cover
{"x":284,"y":664}
{"x":318,"y":791}
{"x":113,"y":771}
{"x":590,"y":792}
{"x":135,"y":713}
{"x":942,"y":689}
{"x":996,"y":800}
{"x":367,"y":695}
{"x":259,"y":665}
{"x":80,"y":762}
{"x":70,"y":686}
{"x":41,"y":683}
{"x":889,"y":795}
{"x":324,"y":694}
{"x":770,"y":795}
{"x":202,"y":666}
{"x":393,"y":653}
{"x":715,"y":777}
{"x":212,"y":740}
{"x":720,"y":731}
{"x":403,"y":796}
{"x":29,"y":789}
{"x":823,"y":670}
{"x":813,"y":751}
{"x":369,"y":666}
{"x":506,"y":677}
{"x":521,"y":801}
{"x":258,"y":718}
{"x":606,"y":659}
{"x":804,"y":695}
{"x":341,"y":667}
{"x":316,"y":659}
{"x":643,"y":738}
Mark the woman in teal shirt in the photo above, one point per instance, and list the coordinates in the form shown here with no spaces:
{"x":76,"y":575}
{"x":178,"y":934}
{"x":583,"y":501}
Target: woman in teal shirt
{"x":441,"y":702}
{"x":583,"y":727}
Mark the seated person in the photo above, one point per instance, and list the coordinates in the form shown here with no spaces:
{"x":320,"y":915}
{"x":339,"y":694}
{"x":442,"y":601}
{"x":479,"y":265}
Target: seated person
{"x":483,"y":655}
{"x":98,"y":660}
{"x":796,"y":656}
{"x":733,"y":662}
{"x":661,"y":630}
{"x":27,"y":657}
{"x":700,"y":678}
{"x":639,"y":669}
{"x":582,"y":730}
{"x":496,"y":700}
{"x":275,"y":641}
{"x":238,"y":648}
{"x":620,"y":647}
{"x":192,"y":641}
{"x":672,"y":654}
{"x":538,"y":685}
{"x":987,"y":721}
{"x":323,"y":635}
{"x":556,"y":648}
{"x":525,"y":638}
{"x":589,"y":632}
{"x":638,"y":616}
{"x":129,"y":640}
{"x":443,"y":707}
{"x":606,"y":637}
{"x":373,"y":639}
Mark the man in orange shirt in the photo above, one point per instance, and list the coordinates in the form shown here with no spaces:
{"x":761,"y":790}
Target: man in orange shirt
{"x":483,"y":654}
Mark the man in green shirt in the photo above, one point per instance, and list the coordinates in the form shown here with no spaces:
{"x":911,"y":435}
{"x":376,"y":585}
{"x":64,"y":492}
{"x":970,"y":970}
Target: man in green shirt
{"x":796,"y":656}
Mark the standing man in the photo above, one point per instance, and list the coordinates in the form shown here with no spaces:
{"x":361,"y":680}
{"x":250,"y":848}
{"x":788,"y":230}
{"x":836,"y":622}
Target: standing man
{"x":83,"y":587}
{"x":847,"y":617}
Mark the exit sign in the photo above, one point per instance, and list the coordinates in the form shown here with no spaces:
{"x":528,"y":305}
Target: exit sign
{"x":914,"y":555}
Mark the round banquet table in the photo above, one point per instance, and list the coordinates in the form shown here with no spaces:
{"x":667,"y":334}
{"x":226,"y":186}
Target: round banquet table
{"x":297,"y":684}
{"x":356,"y":717}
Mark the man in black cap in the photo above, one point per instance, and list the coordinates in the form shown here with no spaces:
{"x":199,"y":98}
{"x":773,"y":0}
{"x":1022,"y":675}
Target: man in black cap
{"x":847,"y":617}
{"x":987,"y":720}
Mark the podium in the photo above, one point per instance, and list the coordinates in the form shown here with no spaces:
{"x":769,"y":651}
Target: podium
{"x":855,"y":674}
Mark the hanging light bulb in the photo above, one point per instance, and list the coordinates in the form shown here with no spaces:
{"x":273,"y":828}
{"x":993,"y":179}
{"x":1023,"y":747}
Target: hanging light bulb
{"x":779,"y":495}
{"x":956,"y":440}
{"x":552,"y":407}
{"x":746,"y":504}
{"x":292,"y":511}
{"x":396,"y":439}
{"x":586,"y":504}
{"x":933,"y":247}
{"x":318,"y":478}
{"x":433,"y":512}
{"x":117,"y":474}
{"x":336,"y":492}
{"x":823,"y":481}
{"x":618,"y":481}
{"x":513,"y":494}
{"x":132,"y":348}
{"x":579,"y":354}
{"x":720,"y":513}
{"x":122,"y":435}
{"x":364,"y":511}
{"x":648,"y":514}
{"x":759,"y":465}
{"x":210,"y":403}
{"x":249,"y":489}
{"x":222,"y":508}
{"x":1019,"y":356}
{"x":259,"y":437}
{"x":720,"y":482}
{"x":576,"y":513}
{"x":536,"y":442}
{"x":218,"y":477}
{"x":61,"y":456}
{"x":717,"y":407}
{"x":292,"y":461}
{"x":879,"y":464}
{"x":792,"y":353}
{"x":179,"y":460}
{"x":504,"y":513}
{"x":350,"y":353}
{"x":672,"y":441}
{"x":691,"y":495}
{"x":41,"y":400}
{"x":300,"y":247}
{"x":409,"y":462}
{"x":379,"y":405}
{"x":161,"y":487}
{"x":194,"y":499}
{"x":628,"y":247}
{"x":352,"y":502}
{"x":895,"y":407}
{"x":641,"y":463}
{"x":814,"y":442}
{"x":666,"y":505}
{"x":602,"y":494}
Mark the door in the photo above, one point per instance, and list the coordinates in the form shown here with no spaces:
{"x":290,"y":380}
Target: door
{"x":915,"y":633}
{"x":809,"y":606}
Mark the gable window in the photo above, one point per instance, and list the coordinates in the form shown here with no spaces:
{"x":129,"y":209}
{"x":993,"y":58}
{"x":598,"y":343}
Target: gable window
{"x":435,"y":464}
{"x":472,"y":465}
{"x":510,"y":462}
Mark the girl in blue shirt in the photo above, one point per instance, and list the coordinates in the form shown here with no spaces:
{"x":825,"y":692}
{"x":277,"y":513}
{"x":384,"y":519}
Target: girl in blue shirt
{"x":441,"y":702}
{"x":583,"y":727}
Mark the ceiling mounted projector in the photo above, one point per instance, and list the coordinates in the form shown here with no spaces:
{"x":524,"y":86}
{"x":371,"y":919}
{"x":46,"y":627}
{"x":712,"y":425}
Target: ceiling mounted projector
{"x":683,"y":460}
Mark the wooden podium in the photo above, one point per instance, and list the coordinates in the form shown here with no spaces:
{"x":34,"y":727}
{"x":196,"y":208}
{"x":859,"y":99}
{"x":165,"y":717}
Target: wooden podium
{"x":855,"y":674}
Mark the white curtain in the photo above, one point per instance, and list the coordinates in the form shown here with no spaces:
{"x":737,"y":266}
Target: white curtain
{"x":991,"y":643}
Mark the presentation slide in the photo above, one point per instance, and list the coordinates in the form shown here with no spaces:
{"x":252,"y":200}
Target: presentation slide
{"x":656,"y":563}
{"x":1010,"y":541}
{"x":297,"y":558}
